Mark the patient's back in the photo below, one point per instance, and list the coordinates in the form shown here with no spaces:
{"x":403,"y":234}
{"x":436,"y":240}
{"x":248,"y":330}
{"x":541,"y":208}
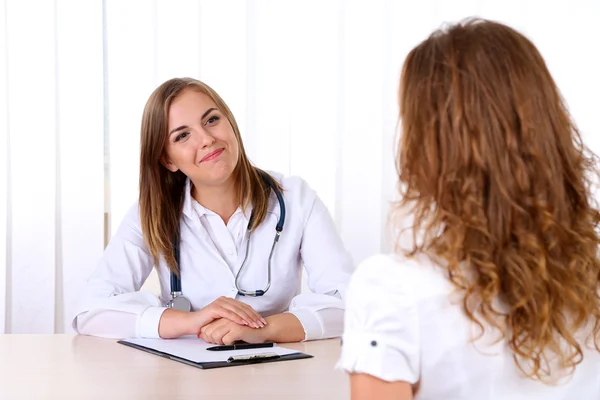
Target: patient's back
{"x":410,"y":310}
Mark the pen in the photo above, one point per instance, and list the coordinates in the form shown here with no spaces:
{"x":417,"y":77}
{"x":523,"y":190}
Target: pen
{"x":241,"y":346}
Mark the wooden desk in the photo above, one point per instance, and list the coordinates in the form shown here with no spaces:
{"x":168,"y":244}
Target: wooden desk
{"x":82,"y":367}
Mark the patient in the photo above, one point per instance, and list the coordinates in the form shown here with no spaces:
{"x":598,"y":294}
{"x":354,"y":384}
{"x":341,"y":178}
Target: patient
{"x":493,"y":292}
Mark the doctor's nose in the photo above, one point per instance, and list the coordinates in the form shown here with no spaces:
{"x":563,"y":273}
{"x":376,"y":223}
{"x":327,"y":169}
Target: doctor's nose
{"x":204,"y":139}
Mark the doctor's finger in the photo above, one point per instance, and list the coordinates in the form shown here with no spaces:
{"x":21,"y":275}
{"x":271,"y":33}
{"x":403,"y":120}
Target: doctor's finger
{"x":209,"y":338}
{"x":221,"y":308}
{"x":219,"y":331}
{"x":258,"y":321}
{"x":241,"y":319}
{"x":256,"y":317}
{"x":231,"y":337}
{"x":241,"y":309}
{"x":208,"y":332}
{"x":247,"y":314}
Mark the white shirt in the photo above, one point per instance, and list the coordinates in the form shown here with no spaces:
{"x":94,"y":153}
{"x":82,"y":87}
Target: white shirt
{"x":404,"y":322}
{"x":211,"y":254}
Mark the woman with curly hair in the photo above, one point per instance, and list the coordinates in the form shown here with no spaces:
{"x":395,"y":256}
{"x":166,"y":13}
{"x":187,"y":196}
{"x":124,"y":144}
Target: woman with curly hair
{"x":496,"y":293}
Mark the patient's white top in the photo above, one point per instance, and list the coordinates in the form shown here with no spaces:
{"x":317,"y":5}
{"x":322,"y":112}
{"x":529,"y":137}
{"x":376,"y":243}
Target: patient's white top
{"x":404,"y":322}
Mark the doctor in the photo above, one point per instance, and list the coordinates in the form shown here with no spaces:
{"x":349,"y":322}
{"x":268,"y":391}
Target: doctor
{"x":229,"y":240}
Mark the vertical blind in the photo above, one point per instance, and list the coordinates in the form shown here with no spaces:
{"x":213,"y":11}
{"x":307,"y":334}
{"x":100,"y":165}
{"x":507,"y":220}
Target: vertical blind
{"x":312,"y":83}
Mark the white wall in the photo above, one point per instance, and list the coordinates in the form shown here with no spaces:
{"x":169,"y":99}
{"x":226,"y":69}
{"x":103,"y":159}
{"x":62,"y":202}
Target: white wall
{"x":312,"y":84}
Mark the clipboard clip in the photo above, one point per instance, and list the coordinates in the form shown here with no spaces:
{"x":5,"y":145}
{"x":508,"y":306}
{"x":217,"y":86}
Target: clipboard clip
{"x":254,"y":357}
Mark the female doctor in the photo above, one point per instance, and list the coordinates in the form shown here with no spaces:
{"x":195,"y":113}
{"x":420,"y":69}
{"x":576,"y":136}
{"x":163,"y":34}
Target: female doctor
{"x":228,"y":239}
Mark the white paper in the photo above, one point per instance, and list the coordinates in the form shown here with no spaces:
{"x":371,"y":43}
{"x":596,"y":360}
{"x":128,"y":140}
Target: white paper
{"x":194,"y":349}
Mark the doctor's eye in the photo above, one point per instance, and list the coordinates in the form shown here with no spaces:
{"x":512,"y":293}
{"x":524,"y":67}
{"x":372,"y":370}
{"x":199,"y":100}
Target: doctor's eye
{"x":212,"y":120}
{"x":181,"y":136}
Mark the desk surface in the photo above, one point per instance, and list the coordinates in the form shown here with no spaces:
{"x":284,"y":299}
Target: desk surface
{"x":83,"y":367}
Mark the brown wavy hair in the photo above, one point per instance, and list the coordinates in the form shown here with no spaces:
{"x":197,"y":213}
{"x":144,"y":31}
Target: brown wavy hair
{"x":162,"y":191}
{"x":499,"y":182}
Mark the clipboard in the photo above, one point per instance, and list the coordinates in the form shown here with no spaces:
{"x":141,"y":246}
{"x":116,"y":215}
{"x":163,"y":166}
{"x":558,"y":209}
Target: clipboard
{"x":253,"y":359}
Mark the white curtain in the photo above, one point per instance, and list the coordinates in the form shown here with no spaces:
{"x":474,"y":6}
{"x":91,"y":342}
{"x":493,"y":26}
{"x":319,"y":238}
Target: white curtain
{"x":312,"y":84}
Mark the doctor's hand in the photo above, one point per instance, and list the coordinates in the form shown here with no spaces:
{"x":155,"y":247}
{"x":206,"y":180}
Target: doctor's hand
{"x":223,"y":331}
{"x":229,"y":309}
{"x":174,"y":323}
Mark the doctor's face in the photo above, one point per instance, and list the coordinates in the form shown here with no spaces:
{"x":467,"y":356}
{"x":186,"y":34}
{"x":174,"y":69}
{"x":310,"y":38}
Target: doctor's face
{"x":201,"y":142}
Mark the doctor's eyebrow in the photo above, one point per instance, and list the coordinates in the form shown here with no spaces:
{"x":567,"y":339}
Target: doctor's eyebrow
{"x":185,"y":126}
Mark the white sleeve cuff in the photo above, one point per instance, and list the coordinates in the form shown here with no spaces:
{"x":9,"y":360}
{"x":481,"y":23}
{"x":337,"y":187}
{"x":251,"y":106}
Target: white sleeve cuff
{"x":311,"y":323}
{"x":369,"y":353}
{"x":148,"y":323}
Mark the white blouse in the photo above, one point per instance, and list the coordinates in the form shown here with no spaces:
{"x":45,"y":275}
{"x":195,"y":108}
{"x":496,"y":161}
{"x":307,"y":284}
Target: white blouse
{"x":211,"y":255}
{"x":403,"y":323}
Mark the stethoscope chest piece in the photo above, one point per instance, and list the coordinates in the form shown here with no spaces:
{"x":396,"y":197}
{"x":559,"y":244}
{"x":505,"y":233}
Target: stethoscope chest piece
{"x":179,"y":302}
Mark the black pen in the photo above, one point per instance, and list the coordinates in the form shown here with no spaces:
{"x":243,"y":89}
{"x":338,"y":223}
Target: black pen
{"x":241,"y":346}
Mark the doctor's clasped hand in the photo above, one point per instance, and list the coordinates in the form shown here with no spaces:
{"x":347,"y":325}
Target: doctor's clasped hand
{"x":175,"y":323}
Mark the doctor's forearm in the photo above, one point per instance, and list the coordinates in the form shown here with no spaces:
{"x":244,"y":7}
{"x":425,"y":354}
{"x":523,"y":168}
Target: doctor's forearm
{"x":283,"y":328}
{"x":175,"y":323}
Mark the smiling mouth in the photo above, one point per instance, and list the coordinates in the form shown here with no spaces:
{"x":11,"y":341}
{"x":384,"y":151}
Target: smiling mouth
{"x":212,"y":155}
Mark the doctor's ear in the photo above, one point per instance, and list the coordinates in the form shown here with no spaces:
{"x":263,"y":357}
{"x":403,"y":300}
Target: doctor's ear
{"x":168,"y":164}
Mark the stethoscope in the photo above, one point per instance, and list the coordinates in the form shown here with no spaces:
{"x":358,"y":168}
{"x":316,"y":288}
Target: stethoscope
{"x":180,"y":302}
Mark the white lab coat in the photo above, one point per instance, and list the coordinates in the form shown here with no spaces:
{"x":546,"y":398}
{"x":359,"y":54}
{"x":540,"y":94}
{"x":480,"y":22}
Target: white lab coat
{"x":211,"y":254}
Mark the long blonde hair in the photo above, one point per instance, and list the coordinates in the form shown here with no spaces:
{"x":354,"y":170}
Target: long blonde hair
{"x":162,"y":191}
{"x":499,"y":181}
